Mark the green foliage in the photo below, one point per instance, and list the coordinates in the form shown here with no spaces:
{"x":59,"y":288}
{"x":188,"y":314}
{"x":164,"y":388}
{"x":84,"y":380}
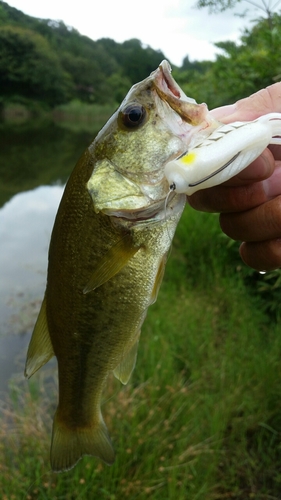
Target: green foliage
{"x":215,"y":254}
{"x":28,"y":64}
{"x":217,"y":5}
{"x":258,"y":58}
{"x":79,"y":116}
{"x":241,"y":69}
{"x":139,"y":61}
{"x":200,"y":418}
{"x":52,"y":62}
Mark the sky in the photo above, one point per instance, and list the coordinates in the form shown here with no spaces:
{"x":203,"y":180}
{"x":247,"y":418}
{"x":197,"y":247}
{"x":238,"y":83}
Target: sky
{"x":174,"y":26}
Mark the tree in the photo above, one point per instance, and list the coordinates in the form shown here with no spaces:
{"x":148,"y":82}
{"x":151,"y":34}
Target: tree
{"x":267,"y":6}
{"x":46,"y":60}
{"x":241,"y":69}
{"x":30,"y":68}
{"x":254,"y":63}
{"x":137,"y":60}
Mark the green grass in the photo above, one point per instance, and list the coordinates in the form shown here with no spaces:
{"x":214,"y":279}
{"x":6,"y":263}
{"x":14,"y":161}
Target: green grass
{"x":201,"y":416}
{"x":75,"y":115}
{"x":78,"y":116}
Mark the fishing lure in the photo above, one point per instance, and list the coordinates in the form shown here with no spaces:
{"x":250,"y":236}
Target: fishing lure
{"x":223,"y":154}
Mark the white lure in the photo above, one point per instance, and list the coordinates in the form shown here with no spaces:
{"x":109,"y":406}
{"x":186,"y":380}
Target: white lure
{"x":223,"y":154}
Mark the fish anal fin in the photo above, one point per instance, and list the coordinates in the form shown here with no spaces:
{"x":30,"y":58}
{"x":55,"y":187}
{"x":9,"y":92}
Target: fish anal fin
{"x":112,"y":262}
{"x":71,"y":444}
{"x":40,"y":348}
{"x":158,"y":279}
{"x":125,"y":368}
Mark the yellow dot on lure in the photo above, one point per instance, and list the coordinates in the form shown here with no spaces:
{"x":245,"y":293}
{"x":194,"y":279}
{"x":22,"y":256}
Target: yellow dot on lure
{"x":188,"y":158}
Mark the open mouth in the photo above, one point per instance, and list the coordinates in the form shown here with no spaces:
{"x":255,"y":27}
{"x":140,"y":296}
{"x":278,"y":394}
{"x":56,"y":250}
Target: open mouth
{"x":167,"y":80}
{"x":169,"y":91}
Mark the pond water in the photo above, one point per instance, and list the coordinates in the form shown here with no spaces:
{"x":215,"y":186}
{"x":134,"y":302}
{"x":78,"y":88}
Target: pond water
{"x":35,"y":162}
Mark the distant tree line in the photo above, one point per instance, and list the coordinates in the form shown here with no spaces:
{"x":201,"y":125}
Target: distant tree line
{"x":47,"y":61}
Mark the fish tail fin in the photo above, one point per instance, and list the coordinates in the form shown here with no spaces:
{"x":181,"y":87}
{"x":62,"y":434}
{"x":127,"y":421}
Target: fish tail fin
{"x":69,"y":445}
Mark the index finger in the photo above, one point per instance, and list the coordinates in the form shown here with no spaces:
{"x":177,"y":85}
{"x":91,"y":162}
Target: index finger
{"x":227,"y":199}
{"x":242,"y":192}
{"x":258,"y":170}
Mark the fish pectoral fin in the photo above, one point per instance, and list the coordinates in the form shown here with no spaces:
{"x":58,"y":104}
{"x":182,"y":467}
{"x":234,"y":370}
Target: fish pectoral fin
{"x":40,"y":348}
{"x":71,"y":444}
{"x":112,"y":262}
{"x":124,"y":370}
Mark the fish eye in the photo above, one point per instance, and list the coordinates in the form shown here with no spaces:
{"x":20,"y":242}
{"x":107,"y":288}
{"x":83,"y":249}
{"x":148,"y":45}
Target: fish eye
{"x":133,"y":115}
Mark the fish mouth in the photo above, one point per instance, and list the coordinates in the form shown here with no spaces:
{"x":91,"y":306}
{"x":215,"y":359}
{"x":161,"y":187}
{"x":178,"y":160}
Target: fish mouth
{"x":168,"y":81}
{"x":168,"y":89}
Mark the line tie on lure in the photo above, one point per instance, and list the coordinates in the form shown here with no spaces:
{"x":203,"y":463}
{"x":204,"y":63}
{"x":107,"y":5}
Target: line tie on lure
{"x":223,"y":154}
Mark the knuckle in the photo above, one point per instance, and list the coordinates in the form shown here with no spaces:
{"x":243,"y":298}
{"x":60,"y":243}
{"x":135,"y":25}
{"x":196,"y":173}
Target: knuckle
{"x":272,"y":216}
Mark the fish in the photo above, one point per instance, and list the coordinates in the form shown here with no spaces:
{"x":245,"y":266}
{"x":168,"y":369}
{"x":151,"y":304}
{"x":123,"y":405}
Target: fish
{"x":107,"y":256}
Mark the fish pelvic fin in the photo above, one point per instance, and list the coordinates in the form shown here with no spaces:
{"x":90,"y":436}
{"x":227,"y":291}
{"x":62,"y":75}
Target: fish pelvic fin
{"x":71,"y":444}
{"x":40,"y":348}
{"x":124,"y":370}
{"x":158,"y":279}
{"x":112,"y":262}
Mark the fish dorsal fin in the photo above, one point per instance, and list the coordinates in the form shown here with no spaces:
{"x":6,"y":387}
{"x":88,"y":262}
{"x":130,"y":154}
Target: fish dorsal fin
{"x":40,"y":348}
{"x":125,"y":368}
{"x":112,"y":262}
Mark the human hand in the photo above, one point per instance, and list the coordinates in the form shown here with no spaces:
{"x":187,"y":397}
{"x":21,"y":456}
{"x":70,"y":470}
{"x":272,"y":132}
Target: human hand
{"x":250,"y":203}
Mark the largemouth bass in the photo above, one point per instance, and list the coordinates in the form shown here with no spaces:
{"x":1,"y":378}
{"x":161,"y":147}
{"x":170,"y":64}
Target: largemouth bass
{"x":107,"y":257}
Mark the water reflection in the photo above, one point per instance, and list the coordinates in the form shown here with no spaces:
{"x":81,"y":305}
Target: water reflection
{"x":36,"y":156}
{"x":25,"y":227}
{"x":31,"y":155}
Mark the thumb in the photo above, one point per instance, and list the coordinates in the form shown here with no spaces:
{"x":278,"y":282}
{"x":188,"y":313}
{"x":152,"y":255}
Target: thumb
{"x":264,"y":101}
